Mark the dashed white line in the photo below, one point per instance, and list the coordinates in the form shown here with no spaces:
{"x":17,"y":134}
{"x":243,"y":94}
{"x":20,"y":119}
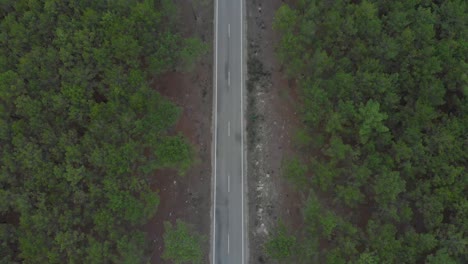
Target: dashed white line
{"x":229,"y":183}
{"x":228,"y":244}
{"x":229,"y":79}
{"x":229,"y":128}
{"x":229,"y":30}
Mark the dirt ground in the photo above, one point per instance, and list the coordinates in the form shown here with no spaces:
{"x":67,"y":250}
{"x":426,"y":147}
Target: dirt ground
{"x":272,"y":122}
{"x":188,"y":197}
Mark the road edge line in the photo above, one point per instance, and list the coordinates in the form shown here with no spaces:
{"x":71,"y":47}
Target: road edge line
{"x":242,"y":123}
{"x":215,"y":117}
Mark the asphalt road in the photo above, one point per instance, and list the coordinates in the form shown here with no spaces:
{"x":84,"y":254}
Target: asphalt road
{"x":228,"y":235}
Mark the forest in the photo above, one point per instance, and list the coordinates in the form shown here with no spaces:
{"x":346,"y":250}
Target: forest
{"x":382,"y":150}
{"x":81,"y":131}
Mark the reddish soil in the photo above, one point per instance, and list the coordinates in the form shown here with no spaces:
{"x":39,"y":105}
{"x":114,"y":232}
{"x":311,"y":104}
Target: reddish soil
{"x":271,"y":198}
{"x":188,"y":197}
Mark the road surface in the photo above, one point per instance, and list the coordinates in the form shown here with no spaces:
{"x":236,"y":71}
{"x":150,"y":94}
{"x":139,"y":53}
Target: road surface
{"x":228,"y":234}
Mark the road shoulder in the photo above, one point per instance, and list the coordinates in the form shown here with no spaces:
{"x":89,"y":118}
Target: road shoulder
{"x":271,"y":121}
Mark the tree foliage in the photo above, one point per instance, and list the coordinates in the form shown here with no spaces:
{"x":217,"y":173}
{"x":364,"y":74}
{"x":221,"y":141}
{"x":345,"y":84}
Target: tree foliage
{"x":181,"y":245}
{"x":384,"y":89}
{"x":280,"y":245}
{"x":81,"y":131}
{"x":295,"y":171}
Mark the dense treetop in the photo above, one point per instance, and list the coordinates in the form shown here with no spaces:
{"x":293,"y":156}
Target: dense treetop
{"x":383,"y":149}
{"x":80,"y":129}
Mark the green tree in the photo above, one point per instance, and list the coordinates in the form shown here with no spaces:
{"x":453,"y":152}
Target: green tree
{"x":372,"y":121}
{"x":280,"y":245}
{"x":180,"y":244}
{"x":295,"y":171}
{"x":387,"y":187}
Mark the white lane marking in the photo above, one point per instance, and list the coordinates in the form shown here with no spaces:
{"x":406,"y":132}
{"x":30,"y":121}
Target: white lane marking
{"x":228,"y":243}
{"x":229,"y":30}
{"x":229,"y":183}
{"x":229,"y":79}
{"x":229,"y":128}
{"x":242,"y":128}
{"x":215,"y":128}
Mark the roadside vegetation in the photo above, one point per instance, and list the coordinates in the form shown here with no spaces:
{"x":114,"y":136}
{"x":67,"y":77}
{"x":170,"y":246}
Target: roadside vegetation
{"x":382,"y":154}
{"x":81,"y":131}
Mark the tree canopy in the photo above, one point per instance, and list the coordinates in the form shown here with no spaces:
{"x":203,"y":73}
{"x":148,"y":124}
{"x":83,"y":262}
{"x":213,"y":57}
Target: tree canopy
{"x":383,"y":87}
{"x":81,"y":131}
{"x":182,"y":245}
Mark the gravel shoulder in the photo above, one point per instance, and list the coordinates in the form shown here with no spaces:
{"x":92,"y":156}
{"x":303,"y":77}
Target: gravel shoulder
{"x":272,"y":120}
